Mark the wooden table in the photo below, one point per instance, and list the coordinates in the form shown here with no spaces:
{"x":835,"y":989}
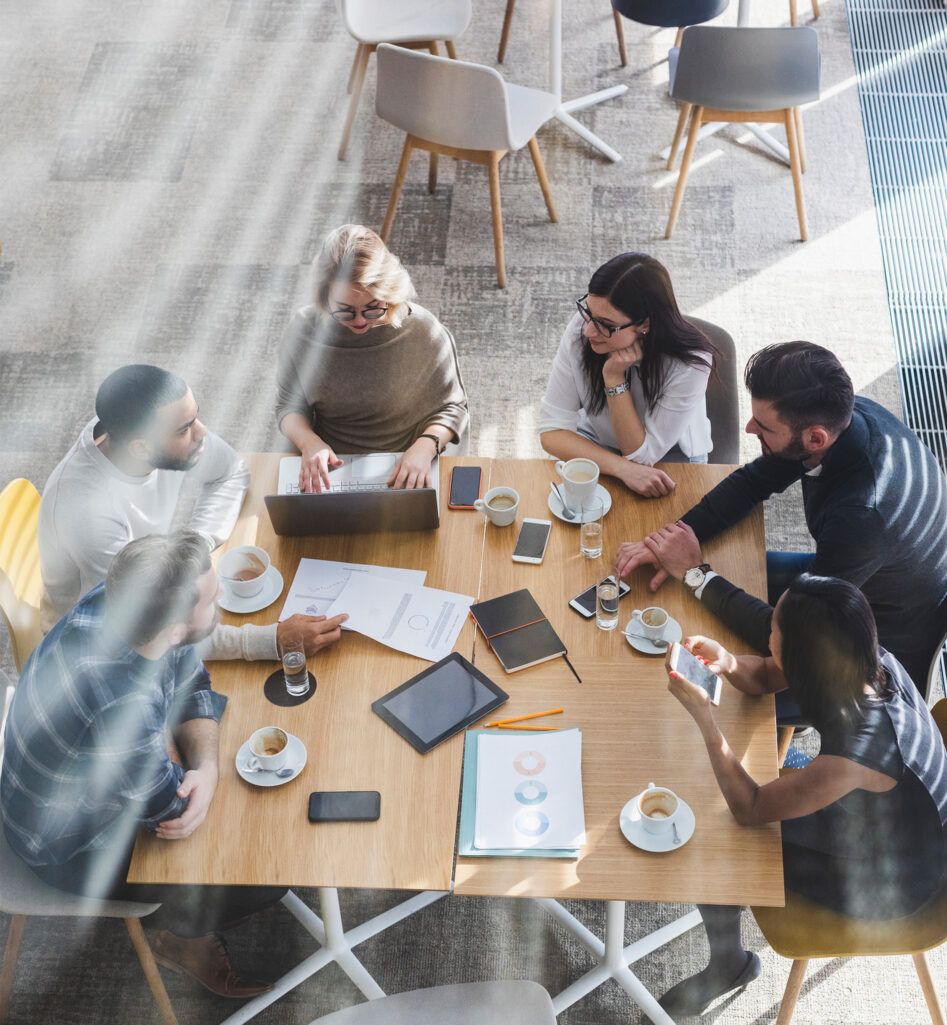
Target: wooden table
{"x":633,"y":731}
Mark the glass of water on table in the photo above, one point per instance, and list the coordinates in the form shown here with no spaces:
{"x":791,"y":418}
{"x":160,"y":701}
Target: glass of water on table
{"x":590,"y":530}
{"x":292,"y":651}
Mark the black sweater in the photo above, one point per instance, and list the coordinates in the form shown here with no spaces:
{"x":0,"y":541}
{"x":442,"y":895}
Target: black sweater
{"x":877,"y":510}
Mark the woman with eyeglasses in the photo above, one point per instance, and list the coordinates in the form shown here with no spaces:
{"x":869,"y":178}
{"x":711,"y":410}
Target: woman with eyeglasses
{"x":364,"y":369}
{"x":864,"y":824}
{"x":628,"y":382}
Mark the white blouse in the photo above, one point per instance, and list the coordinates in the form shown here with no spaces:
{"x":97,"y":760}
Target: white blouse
{"x":679,"y":416}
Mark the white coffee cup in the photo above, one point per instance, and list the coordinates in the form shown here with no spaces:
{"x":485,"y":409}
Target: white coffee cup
{"x":269,"y":747}
{"x":579,"y":481}
{"x":242,"y":569}
{"x":650,"y":622}
{"x":658,"y":808}
{"x":499,"y":505}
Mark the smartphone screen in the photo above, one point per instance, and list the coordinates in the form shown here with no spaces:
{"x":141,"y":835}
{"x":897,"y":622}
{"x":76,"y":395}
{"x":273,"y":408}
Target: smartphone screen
{"x":531,"y":544}
{"x":464,"y":487}
{"x":344,"y":806}
{"x":691,"y":668}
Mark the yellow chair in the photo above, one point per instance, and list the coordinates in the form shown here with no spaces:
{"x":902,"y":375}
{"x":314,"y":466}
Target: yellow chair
{"x":21,"y":586}
{"x":803,"y":930}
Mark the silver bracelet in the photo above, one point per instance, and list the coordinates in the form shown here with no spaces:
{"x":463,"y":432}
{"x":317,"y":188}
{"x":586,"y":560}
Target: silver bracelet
{"x":620,"y":390}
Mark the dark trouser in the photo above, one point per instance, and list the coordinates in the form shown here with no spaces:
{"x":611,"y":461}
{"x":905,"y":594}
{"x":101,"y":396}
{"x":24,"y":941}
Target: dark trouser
{"x":187,"y":911}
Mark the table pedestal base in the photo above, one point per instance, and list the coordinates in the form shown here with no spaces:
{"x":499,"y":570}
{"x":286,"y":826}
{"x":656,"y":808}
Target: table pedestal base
{"x":564,"y":114}
{"x":614,"y":957}
{"x":336,"y":945}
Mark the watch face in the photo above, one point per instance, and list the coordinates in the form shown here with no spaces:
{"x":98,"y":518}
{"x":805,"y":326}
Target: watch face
{"x":694,"y":577}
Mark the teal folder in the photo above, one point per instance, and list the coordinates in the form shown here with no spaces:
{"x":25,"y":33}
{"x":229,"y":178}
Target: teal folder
{"x":468,"y":811}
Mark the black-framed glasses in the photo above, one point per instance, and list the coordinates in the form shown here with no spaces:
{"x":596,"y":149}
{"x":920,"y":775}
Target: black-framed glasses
{"x":603,"y":329}
{"x":348,"y":313}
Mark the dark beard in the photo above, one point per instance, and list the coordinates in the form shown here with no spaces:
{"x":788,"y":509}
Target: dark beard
{"x":166,"y":463}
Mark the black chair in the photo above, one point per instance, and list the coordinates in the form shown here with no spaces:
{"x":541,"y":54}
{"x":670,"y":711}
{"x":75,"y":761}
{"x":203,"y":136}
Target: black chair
{"x":668,"y":13}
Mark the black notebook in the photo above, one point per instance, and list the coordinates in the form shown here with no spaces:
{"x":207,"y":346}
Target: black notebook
{"x":517,"y":631}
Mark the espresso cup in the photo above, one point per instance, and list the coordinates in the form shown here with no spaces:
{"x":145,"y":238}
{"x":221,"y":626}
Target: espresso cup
{"x":499,"y":505}
{"x":579,"y":480}
{"x":269,"y":747}
{"x":650,"y":622}
{"x":243,"y":568}
{"x":658,"y":808}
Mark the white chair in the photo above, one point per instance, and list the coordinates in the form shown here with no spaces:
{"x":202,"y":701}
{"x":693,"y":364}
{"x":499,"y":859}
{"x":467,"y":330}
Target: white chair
{"x":410,"y":23}
{"x":470,"y":1003}
{"x":462,"y":110}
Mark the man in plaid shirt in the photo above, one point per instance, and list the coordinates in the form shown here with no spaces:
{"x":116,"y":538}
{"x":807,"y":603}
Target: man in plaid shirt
{"x":114,"y":725}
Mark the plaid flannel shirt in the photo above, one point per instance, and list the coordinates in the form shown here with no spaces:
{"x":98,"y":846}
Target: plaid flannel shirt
{"x":86,"y":758}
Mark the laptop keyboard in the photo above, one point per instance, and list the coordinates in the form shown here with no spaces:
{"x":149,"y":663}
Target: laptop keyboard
{"x":347,"y":486}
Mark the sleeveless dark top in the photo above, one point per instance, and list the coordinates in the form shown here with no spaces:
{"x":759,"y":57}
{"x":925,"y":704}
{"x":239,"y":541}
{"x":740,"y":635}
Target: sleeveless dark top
{"x":878,"y":855}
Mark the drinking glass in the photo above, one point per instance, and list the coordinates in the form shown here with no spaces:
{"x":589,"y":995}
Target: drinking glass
{"x":606,"y":604}
{"x":590,"y":531}
{"x":295,"y":672}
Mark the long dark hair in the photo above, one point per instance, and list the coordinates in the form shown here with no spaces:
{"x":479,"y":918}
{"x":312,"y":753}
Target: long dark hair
{"x":830,"y":647}
{"x":640,"y":287}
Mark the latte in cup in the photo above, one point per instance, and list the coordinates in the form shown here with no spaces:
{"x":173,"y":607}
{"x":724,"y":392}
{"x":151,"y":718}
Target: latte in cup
{"x":580,"y":476}
{"x":654,"y":617}
{"x":252,"y":568}
{"x":499,"y":505}
{"x":243,"y":569}
{"x":501,"y":502}
{"x":658,"y":807}
{"x":269,"y":746}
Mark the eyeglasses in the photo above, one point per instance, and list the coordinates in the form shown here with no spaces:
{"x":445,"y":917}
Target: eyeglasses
{"x":350,"y":313}
{"x":603,"y":329}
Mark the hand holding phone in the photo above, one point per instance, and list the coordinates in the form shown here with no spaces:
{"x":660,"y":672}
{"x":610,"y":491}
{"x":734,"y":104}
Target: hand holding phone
{"x":682,"y":662}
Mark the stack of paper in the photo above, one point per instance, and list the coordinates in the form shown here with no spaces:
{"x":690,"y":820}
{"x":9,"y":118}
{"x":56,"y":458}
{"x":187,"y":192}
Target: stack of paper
{"x":522,"y":794}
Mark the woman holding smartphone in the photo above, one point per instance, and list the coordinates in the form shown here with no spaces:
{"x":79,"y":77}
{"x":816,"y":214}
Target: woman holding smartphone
{"x":364,"y":369}
{"x":628,"y":382}
{"x":864,"y":824}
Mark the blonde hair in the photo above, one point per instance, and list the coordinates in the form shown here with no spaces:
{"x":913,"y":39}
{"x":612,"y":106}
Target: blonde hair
{"x":357,"y":256}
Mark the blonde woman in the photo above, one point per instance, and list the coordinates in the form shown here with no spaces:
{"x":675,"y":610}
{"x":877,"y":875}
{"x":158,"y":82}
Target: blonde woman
{"x":364,"y":369}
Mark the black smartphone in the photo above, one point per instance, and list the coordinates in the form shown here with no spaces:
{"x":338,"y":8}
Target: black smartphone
{"x":464,"y":487}
{"x":584,"y":603}
{"x":344,"y":806}
{"x":531,"y":543}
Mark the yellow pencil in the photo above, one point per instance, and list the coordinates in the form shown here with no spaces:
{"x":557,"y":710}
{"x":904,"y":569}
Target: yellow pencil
{"x":511,"y":726}
{"x":520,"y":718}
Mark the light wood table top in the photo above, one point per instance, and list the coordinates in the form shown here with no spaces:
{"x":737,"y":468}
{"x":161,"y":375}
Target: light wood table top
{"x":633,"y":730}
{"x":255,"y":835}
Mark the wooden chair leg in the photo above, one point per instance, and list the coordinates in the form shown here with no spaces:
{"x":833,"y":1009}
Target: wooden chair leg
{"x":796,"y":172}
{"x":10,"y":954}
{"x":620,"y":34}
{"x":927,"y":985}
{"x":361,"y":60}
{"x":793,"y":984}
{"x":493,"y":169}
{"x":784,"y":736}
{"x":451,"y":51}
{"x":800,"y":138}
{"x":351,"y":81}
{"x":151,"y":970}
{"x":678,"y":134}
{"x":696,"y":117}
{"x":815,"y":9}
{"x":400,"y":175}
{"x":432,"y":173}
{"x":543,"y":180}
{"x":793,"y":14}
{"x":505,"y":31}
{"x":432,"y":46}
{"x":679,"y":36}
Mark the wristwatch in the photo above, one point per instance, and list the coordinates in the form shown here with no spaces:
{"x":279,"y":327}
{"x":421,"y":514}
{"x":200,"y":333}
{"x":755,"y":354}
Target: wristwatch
{"x":619,"y":390}
{"x":694,"y":577}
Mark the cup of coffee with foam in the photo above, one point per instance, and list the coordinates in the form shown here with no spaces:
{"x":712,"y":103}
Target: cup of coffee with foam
{"x":499,"y":505}
{"x":242,"y":570}
{"x":658,"y":808}
{"x":579,"y":481}
{"x":269,"y":747}
{"x":649,"y":623}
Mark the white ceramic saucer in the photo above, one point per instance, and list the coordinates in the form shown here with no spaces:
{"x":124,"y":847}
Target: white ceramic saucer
{"x":295,"y":760}
{"x":555,"y":506}
{"x":658,"y":843}
{"x":672,"y":633}
{"x":272,"y":589}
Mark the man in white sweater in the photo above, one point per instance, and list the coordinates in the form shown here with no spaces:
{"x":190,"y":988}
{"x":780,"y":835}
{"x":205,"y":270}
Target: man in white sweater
{"x":122,"y":480}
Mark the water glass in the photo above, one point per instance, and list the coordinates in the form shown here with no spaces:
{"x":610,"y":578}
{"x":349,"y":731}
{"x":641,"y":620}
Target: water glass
{"x":606,"y":604}
{"x":590,"y":531}
{"x":295,"y":672}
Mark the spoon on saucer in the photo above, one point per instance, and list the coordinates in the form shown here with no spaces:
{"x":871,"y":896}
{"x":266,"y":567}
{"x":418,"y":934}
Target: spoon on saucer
{"x":283,"y":773}
{"x":566,"y":511}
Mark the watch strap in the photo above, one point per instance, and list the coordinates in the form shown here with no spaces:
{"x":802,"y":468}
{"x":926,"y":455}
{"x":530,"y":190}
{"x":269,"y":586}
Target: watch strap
{"x":435,"y":439}
{"x":618,"y":390}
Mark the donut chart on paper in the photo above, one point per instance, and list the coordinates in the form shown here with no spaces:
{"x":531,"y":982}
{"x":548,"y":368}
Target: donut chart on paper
{"x":531,"y":823}
{"x":531,"y":791}
{"x":529,"y":763}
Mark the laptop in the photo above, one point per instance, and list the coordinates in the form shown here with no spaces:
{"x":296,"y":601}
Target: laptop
{"x":359,"y":500}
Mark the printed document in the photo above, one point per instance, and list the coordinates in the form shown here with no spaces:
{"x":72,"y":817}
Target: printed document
{"x":318,"y":582}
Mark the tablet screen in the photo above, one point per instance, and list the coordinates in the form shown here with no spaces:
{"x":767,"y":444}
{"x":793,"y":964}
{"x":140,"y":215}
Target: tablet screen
{"x":439,"y":702}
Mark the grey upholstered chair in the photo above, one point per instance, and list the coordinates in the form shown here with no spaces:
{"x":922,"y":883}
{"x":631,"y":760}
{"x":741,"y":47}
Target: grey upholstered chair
{"x":462,"y":110}
{"x":470,"y":1003}
{"x":723,"y":395}
{"x":745,"y":74}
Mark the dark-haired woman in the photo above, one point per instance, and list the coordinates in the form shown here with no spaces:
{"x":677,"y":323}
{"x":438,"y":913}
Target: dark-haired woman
{"x":864,"y":824}
{"x":628,"y":382}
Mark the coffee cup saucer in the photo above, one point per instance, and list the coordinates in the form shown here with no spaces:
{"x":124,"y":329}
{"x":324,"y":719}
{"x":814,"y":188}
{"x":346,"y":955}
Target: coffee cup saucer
{"x":271,"y":590}
{"x":658,"y":843}
{"x":672,"y":633}
{"x":295,"y":760}
{"x":555,"y":505}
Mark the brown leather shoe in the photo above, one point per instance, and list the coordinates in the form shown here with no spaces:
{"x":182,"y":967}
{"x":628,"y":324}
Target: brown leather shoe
{"x":204,"y":959}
